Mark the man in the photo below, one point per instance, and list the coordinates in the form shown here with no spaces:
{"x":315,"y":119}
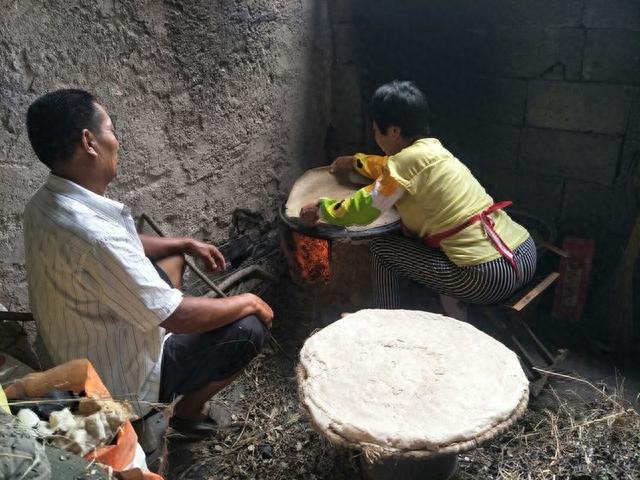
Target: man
{"x":95,"y":292}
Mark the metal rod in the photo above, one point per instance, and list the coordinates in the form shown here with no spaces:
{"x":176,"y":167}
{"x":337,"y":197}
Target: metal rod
{"x":188,"y":261}
{"x":205,"y":279}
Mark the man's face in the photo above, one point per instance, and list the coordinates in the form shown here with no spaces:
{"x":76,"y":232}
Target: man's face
{"x":106,"y":144}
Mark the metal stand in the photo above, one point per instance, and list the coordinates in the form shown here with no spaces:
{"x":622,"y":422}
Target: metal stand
{"x":436,"y":467}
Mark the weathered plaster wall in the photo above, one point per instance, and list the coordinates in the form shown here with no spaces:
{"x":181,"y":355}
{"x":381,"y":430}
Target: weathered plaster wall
{"x":218,"y":104}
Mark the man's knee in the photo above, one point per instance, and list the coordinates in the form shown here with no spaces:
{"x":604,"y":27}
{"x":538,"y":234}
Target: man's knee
{"x":255,"y":333}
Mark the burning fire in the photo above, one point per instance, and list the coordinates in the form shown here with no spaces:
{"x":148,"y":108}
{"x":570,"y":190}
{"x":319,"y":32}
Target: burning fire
{"x":312,"y":257}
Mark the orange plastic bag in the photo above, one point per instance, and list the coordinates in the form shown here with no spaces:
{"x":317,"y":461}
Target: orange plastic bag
{"x":80,"y":376}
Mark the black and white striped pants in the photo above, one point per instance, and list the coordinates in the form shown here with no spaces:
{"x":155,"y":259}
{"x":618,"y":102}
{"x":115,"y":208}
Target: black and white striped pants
{"x":394,"y":255}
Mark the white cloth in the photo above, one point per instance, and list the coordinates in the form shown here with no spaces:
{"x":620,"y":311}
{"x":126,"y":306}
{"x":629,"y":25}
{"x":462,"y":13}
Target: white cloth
{"x":93,"y":292}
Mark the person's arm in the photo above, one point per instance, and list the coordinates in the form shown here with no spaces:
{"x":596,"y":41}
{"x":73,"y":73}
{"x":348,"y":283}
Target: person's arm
{"x":126,"y":282}
{"x":156,"y":248}
{"x":160,"y":247}
{"x":370,"y":166}
{"x":201,"y":314}
{"x":362,"y":208}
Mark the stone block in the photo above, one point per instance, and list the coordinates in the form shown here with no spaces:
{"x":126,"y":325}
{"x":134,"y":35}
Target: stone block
{"x":489,"y":145}
{"x":544,"y":13}
{"x":500,"y":101}
{"x":539,"y":195}
{"x":612,"y":56}
{"x":530,"y":52}
{"x":587,"y":207}
{"x":595,"y":108}
{"x":612,"y":14}
{"x":582,"y":156}
{"x":501,"y":184}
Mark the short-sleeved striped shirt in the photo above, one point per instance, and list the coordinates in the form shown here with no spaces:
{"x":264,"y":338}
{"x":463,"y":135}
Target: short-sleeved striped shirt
{"x":93,"y":292}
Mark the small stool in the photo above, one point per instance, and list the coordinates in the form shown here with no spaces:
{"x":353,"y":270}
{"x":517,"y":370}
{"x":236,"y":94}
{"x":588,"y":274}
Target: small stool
{"x":409,"y":389}
{"x":505,"y":322}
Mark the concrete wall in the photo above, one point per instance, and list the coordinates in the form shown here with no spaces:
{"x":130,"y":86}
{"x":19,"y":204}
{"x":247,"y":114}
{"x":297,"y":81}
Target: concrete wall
{"x":218,"y":105}
{"x":541,"y":99}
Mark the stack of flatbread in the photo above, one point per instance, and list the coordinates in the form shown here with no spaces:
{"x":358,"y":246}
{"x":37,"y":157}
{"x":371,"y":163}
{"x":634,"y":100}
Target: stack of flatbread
{"x":409,"y":383}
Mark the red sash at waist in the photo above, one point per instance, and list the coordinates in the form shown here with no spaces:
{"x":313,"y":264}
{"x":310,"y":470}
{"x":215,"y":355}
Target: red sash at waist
{"x":489,"y":230}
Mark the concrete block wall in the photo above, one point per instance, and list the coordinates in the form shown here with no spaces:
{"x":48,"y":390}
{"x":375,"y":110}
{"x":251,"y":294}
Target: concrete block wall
{"x":218,"y":105}
{"x":541,"y":99}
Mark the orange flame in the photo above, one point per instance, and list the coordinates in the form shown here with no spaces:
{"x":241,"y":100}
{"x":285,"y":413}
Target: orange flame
{"x":312,"y":257}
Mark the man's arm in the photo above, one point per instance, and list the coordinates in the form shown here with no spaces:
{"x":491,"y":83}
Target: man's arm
{"x":156,"y":248}
{"x":201,"y":314}
{"x":160,"y":247}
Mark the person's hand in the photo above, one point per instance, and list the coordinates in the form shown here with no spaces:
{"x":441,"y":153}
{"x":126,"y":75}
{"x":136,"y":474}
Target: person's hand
{"x":261,"y":309}
{"x":213,"y":260}
{"x":15,"y":390}
{"x":309,"y":214}
{"x":342,"y":164}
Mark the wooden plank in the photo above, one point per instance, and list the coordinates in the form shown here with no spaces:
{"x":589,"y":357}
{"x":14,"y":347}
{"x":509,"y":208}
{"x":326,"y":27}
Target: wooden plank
{"x":535,"y":291}
{"x":548,"y":357}
{"x":525,"y":358}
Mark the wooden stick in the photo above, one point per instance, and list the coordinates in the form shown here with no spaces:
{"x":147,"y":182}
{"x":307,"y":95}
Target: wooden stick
{"x":554,"y":249}
{"x":537,"y":290}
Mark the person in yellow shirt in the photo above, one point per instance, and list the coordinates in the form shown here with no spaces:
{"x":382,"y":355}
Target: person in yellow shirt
{"x":457,"y":240}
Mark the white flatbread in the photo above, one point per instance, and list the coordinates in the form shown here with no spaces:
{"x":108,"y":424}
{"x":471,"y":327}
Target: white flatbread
{"x":408,"y":380}
{"x":320,"y":183}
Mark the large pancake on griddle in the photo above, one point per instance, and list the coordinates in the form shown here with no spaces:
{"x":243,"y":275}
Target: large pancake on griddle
{"x":320,"y":183}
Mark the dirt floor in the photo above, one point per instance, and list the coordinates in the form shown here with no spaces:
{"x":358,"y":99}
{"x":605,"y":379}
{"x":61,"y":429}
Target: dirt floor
{"x":564,"y":437}
{"x":586,"y":432}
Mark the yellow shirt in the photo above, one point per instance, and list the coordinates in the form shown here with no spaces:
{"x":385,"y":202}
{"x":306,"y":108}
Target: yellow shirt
{"x":442,"y":194}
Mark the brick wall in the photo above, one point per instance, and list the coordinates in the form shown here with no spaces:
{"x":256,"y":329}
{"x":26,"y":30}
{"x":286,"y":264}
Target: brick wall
{"x":540,"y":99}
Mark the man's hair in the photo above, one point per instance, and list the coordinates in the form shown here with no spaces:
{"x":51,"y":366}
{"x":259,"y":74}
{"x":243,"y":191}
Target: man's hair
{"x":55,"y":122}
{"x":401,"y":104}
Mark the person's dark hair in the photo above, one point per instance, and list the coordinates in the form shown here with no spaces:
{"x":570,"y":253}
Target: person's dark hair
{"x":55,"y":122}
{"x":401,"y":104}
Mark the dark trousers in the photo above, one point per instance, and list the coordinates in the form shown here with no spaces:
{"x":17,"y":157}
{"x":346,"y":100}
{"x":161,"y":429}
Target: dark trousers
{"x":191,"y":361}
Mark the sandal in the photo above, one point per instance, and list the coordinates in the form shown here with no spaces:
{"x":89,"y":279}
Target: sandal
{"x":194,"y":429}
{"x":218,"y":418}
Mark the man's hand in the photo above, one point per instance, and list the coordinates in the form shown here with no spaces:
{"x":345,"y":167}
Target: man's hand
{"x":309,"y":214}
{"x":210,"y":255}
{"x":342,"y":164}
{"x":262,"y":310}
